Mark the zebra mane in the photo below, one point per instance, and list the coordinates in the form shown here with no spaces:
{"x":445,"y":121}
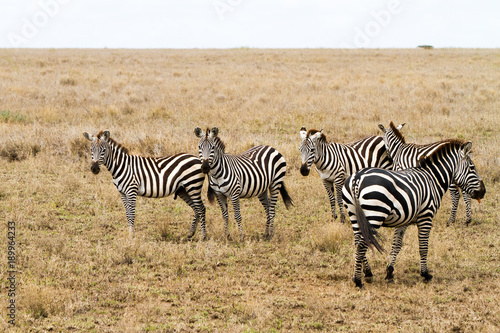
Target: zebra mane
{"x":314,"y":131}
{"x":217,"y":141}
{"x":114,"y":143}
{"x":397,"y":132}
{"x":442,"y":146}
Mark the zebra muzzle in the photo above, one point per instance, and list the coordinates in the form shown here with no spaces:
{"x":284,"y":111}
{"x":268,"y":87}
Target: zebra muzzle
{"x":205,"y":166}
{"x":304,"y":170}
{"x":479,"y":194}
{"x":95,"y":168}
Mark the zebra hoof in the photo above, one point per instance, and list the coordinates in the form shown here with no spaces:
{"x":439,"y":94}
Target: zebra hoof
{"x":368,"y":279}
{"x":427,"y":277}
{"x":390,"y":281}
{"x":358,"y":283}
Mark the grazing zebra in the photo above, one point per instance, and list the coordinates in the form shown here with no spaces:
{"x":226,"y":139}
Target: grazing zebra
{"x":150,"y":177}
{"x":336,"y":161}
{"x":406,"y":155}
{"x":255,"y":172}
{"x":377,"y":197}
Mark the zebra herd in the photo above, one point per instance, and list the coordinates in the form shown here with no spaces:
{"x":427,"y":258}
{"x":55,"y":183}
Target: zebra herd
{"x":379,"y":180}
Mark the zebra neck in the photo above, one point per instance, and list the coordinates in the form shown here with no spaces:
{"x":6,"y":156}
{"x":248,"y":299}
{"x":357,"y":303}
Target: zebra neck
{"x":219,"y":167}
{"x":442,"y":175}
{"x":322,"y":152}
{"x":116,"y":160}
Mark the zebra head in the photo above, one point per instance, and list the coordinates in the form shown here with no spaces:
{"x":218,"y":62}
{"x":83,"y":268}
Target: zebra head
{"x":393,"y":138}
{"x":98,"y":149}
{"x":308,"y":149}
{"x":466,"y":176}
{"x":207,"y":147}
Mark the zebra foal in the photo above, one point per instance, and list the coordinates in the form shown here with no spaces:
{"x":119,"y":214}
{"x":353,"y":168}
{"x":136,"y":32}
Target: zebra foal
{"x":336,"y":161}
{"x":406,"y":155}
{"x":378,"y":197}
{"x":153,"y":177}
{"x":257,"y":172}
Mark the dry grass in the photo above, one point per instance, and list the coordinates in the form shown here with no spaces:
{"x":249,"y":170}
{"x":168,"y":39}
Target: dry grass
{"x":79,"y":270}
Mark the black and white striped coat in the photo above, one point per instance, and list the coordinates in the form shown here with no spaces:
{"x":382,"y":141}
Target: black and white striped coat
{"x":152,"y":177}
{"x":378,"y":197}
{"x":336,"y":161}
{"x":406,"y":155}
{"x":259,"y":172}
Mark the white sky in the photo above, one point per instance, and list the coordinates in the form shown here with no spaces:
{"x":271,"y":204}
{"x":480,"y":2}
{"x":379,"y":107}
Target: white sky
{"x":249,"y":23}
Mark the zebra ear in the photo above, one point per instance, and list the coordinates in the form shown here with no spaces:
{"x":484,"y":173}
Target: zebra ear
{"x":214,"y":132}
{"x":318,"y":135}
{"x":467,"y":148}
{"x":88,"y":137}
{"x":104,"y":136}
{"x":198,"y":132}
{"x":400,"y":126}
{"x":303,"y":133}
{"x":382,"y":128}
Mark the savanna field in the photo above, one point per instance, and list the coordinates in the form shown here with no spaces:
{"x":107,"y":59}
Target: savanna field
{"x":79,"y":270}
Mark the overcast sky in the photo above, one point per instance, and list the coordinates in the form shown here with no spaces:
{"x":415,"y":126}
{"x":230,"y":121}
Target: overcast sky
{"x":249,"y":23}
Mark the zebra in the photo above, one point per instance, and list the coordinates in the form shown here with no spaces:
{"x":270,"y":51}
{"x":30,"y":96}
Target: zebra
{"x":336,"y":161}
{"x":255,"y":172}
{"x":378,"y":197}
{"x":408,"y":155}
{"x":152,"y":177}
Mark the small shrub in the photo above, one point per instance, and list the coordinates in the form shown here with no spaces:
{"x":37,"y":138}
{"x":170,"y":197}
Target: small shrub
{"x":330,"y":237}
{"x":79,"y":147}
{"x":16,"y":152}
{"x":42,"y":302}
{"x":67,"y":82}
{"x":9,"y":117}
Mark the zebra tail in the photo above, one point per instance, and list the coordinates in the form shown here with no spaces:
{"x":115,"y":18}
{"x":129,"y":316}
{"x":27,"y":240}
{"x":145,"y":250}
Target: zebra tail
{"x":286,"y":198}
{"x":366,"y":229}
{"x":210,"y":195}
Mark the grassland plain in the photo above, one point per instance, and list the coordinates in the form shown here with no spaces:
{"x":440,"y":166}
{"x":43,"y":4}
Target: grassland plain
{"x":78,"y":270}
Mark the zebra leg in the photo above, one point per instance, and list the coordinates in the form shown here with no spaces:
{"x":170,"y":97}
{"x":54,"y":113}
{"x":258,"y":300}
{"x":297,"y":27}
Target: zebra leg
{"x":331,"y":195}
{"x":360,"y":257}
{"x":264,"y":200}
{"x":423,"y":245}
{"x":455,"y":197}
{"x":274,"y":193}
{"x":339,"y":183}
{"x":129,"y":201}
{"x":397,"y":243}
{"x":468,"y":211}
{"x":367,"y":270}
{"x":199,"y":212}
{"x":237,"y":215}
{"x":222,"y":200}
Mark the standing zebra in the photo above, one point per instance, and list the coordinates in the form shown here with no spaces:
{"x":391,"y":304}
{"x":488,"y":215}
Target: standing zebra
{"x":336,"y":161}
{"x":378,"y":197}
{"x":255,"y":172}
{"x":150,"y":177}
{"x":406,"y":155}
